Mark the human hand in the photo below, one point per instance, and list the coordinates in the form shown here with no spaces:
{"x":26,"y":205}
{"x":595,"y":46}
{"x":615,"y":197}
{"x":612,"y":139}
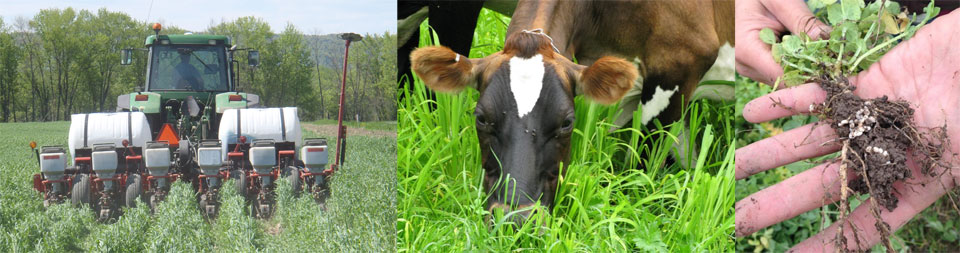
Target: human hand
{"x":924,"y":71}
{"x":754,"y":59}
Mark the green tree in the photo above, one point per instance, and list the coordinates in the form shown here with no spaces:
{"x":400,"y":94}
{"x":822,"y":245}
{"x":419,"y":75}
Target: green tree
{"x":9,"y":61}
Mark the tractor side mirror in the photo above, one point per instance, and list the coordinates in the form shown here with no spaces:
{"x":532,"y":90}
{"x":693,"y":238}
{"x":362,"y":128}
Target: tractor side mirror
{"x":253,"y":58}
{"x":127,"y":57}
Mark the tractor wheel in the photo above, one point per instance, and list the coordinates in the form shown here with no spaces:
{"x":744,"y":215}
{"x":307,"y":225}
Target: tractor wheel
{"x":321,"y":190}
{"x":242,"y":184}
{"x":295,"y":183}
{"x":154,"y":202}
{"x":81,"y":191}
{"x":134,"y":190}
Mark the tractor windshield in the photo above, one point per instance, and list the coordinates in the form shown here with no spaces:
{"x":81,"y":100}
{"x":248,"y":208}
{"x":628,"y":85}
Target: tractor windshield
{"x":183,"y":67}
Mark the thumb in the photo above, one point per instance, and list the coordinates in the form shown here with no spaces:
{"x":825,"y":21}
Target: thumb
{"x":796,"y":16}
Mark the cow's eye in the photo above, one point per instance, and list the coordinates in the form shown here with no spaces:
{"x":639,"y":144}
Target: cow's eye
{"x":567,"y":125}
{"x":483,"y":124}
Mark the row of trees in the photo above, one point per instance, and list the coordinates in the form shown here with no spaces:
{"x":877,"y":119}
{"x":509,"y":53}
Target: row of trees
{"x":64,"y":61}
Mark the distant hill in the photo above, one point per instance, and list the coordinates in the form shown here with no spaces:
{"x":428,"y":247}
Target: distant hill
{"x":328,"y":47}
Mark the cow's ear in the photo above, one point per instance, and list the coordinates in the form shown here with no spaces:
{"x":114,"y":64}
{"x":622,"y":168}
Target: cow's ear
{"x":443,"y":70}
{"x":607,"y":80}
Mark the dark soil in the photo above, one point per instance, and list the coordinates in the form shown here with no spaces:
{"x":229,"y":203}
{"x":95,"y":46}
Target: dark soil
{"x":877,"y":135}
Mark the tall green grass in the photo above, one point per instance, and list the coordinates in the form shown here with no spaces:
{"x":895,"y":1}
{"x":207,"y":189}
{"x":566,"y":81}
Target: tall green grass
{"x":602,"y":203}
{"x":360,"y":214}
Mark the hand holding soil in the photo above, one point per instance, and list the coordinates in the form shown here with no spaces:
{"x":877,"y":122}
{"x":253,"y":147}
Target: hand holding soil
{"x":754,"y":59}
{"x":924,"y":72}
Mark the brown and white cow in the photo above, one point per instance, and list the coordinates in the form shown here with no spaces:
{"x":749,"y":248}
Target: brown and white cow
{"x":525,"y":113}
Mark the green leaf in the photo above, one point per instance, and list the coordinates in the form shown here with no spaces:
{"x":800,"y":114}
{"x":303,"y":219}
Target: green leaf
{"x":851,"y":35}
{"x":935,"y":225}
{"x":793,"y":78}
{"x":791,"y":44}
{"x":817,"y":4}
{"x":777,"y":52}
{"x":866,"y":22}
{"x":851,"y":9}
{"x":767,"y":36}
{"x":834,"y":14}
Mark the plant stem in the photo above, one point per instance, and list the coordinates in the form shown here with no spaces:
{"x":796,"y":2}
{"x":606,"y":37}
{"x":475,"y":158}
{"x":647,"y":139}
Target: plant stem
{"x":875,"y":49}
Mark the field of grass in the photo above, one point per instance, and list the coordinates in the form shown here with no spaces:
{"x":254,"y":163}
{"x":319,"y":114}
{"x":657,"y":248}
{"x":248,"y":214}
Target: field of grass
{"x":371,"y":125}
{"x":600,"y":206}
{"x":935,"y":229}
{"x":360,"y":214}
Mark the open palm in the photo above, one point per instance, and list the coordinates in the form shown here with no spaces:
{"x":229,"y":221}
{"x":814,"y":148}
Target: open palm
{"x":924,"y":71}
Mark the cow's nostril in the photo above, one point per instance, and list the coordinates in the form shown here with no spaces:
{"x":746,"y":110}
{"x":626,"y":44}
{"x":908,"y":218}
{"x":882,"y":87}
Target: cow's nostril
{"x":499,"y":206}
{"x":517,"y":215}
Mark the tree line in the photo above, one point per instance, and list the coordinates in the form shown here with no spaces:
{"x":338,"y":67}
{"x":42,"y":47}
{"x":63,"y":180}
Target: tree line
{"x":65,"y":61}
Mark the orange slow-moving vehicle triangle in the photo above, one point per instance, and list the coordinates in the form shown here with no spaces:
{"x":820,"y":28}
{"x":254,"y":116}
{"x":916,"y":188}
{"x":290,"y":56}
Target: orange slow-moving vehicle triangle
{"x":167,"y":134}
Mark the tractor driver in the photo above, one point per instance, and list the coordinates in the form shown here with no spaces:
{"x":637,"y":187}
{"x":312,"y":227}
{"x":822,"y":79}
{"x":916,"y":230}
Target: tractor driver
{"x":188,"y":76}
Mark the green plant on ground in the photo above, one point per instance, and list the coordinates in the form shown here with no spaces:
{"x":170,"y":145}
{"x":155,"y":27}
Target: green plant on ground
{"x":861,"y":34}
{"x":602,"y":203}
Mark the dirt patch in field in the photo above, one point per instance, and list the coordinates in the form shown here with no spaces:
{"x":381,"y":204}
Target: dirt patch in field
{"x":331,"y":130}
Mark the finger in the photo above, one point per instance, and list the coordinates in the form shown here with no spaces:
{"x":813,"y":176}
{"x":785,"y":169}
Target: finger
{"x":798,"y":194}
{"x":796,"y":16}
{"x":914,"y":196}
{"x":755,"y":61}
{"x":784,"y":103}
{"x":811,"y":140}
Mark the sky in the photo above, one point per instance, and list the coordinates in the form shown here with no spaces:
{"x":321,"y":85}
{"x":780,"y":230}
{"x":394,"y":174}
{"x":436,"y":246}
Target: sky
{"x":309,"y":16}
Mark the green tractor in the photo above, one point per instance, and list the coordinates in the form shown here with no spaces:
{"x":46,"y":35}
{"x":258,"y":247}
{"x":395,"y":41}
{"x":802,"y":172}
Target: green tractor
{"x":191,"y":81}
{"x":191,"y":84}
{"x":188,"y":122}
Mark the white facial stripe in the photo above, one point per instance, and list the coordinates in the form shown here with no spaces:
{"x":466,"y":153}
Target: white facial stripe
{"x":526,"y":80}
{"x":660,"y":101}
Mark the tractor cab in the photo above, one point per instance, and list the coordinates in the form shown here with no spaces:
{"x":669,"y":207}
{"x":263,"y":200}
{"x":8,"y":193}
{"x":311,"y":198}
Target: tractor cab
{"x":187,"y":67}
{"x":191,"y":79}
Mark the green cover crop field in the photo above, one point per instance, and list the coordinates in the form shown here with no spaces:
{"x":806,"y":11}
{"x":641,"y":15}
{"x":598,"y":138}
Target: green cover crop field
{"x":360,"y":214}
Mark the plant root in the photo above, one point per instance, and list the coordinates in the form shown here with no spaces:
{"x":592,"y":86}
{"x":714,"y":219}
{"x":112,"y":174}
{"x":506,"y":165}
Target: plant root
{"x":876,"y":135}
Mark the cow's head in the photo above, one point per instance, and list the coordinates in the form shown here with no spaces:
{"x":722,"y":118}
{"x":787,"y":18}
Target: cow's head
{"x":525,"y":113}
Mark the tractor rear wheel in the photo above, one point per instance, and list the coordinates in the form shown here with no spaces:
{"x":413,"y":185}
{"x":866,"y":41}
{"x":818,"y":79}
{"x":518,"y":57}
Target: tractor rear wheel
{"x":242,"y":184}
{"x":81,"y":191}
{"x":295,"y":183}
{"x":134,"y":190}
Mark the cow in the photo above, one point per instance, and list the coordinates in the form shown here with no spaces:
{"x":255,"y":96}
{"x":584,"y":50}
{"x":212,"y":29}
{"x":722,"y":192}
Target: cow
{"x":525,"y":112}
